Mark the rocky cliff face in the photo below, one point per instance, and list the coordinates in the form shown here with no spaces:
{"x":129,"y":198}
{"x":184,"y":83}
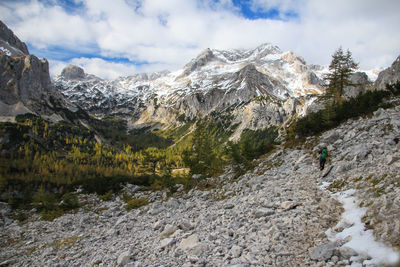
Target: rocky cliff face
{"x":25,"y":85}
{"x":389,"y":76}
{"x":10,"y":45}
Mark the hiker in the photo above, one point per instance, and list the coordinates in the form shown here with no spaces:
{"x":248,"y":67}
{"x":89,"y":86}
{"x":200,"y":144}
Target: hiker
{"x":322,"y":158}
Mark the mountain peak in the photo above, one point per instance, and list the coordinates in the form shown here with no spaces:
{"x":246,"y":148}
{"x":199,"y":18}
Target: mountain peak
{"x":268,"y":48}
{"x":73,"y":72}
{"x":202,"y":59}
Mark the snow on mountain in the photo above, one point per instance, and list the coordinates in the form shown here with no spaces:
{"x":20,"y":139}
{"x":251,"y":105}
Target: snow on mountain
{"x":260,"y":87}
{"x":238,"y":76}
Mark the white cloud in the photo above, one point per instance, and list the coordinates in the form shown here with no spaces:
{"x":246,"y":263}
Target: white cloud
{"x":366,"y":27}
{"x":105,"y":69}
{"x":167,"y":34}
{"x":49,"y":25}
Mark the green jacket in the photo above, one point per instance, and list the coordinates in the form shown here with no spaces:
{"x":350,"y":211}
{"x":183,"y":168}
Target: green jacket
{"x":324,"y":153}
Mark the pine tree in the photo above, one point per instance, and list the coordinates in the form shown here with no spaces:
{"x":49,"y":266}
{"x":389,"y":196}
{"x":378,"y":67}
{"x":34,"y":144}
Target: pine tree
{"x":341,"y":68}
{"x":202,"y":157}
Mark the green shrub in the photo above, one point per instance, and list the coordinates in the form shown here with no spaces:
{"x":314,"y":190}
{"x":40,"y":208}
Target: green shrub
{"x":107,"y":196}
{"x":135,"y":203}
{"x":44,"y":201}
{"x":49,"y":215}
{"x":20,"y":215}
{"x":70,"y":201}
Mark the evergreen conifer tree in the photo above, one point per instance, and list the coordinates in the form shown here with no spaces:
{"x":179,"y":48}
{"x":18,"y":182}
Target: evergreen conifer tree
{"x":341,"y":68}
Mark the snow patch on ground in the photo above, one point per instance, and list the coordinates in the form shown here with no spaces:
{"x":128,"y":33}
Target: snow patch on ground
{"x":361,"y":239}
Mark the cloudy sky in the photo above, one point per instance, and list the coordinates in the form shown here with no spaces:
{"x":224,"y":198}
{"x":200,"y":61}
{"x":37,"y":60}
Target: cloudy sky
{"x":111,"y":38}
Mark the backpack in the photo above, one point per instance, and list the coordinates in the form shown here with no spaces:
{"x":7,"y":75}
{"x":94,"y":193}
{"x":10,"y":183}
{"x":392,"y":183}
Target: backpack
{"x":324,"y":153}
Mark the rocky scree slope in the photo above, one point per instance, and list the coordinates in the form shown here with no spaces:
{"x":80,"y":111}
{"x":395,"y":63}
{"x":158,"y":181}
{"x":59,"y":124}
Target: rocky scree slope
{"x":276,"y":215}
{"x":25,"y":85}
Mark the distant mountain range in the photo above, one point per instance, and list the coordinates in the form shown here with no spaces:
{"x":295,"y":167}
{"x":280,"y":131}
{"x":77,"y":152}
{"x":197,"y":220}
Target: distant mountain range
{"x":258,"y":87}
{"x":254,"y":88}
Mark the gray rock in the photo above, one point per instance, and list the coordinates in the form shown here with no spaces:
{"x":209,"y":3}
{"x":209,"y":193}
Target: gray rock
{"x":323,"y":252}
{"x":189,"y":242}
{"x":166,"y":242}
{"x":172,"y":204}
{"x":236,"y":251}
{"x":185,"y":225}
{"x":157,"y":225}
{"x":263,"y":212}
{"x":346,"y":252}
{"x":331,"y":137}
{"x":124,"y":258}
{"x":96,"y":260}
{"x":288,"y":205}
{"x":229,"y":206}
{"x":359,"y":83}
{"x":390,"y":159}
{"x":168,"y":230}
{"x":197,"y":250}
{"x":344,"y":167}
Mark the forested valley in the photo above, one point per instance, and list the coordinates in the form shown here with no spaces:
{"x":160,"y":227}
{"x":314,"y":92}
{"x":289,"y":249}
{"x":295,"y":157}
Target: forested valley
{"x":43,"y":163}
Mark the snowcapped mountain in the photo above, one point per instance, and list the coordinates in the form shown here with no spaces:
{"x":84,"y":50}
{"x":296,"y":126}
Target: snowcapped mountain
{"x":259,"y":87}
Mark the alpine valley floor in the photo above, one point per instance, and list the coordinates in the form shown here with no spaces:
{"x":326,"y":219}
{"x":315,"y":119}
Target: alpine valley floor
{"x":283,"y":213}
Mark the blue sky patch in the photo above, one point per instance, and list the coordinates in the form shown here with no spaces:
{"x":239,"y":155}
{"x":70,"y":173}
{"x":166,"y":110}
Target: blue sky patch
{"x":62,"y":54}
{"x":249,"y":12}
{"x":70,"y":6}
